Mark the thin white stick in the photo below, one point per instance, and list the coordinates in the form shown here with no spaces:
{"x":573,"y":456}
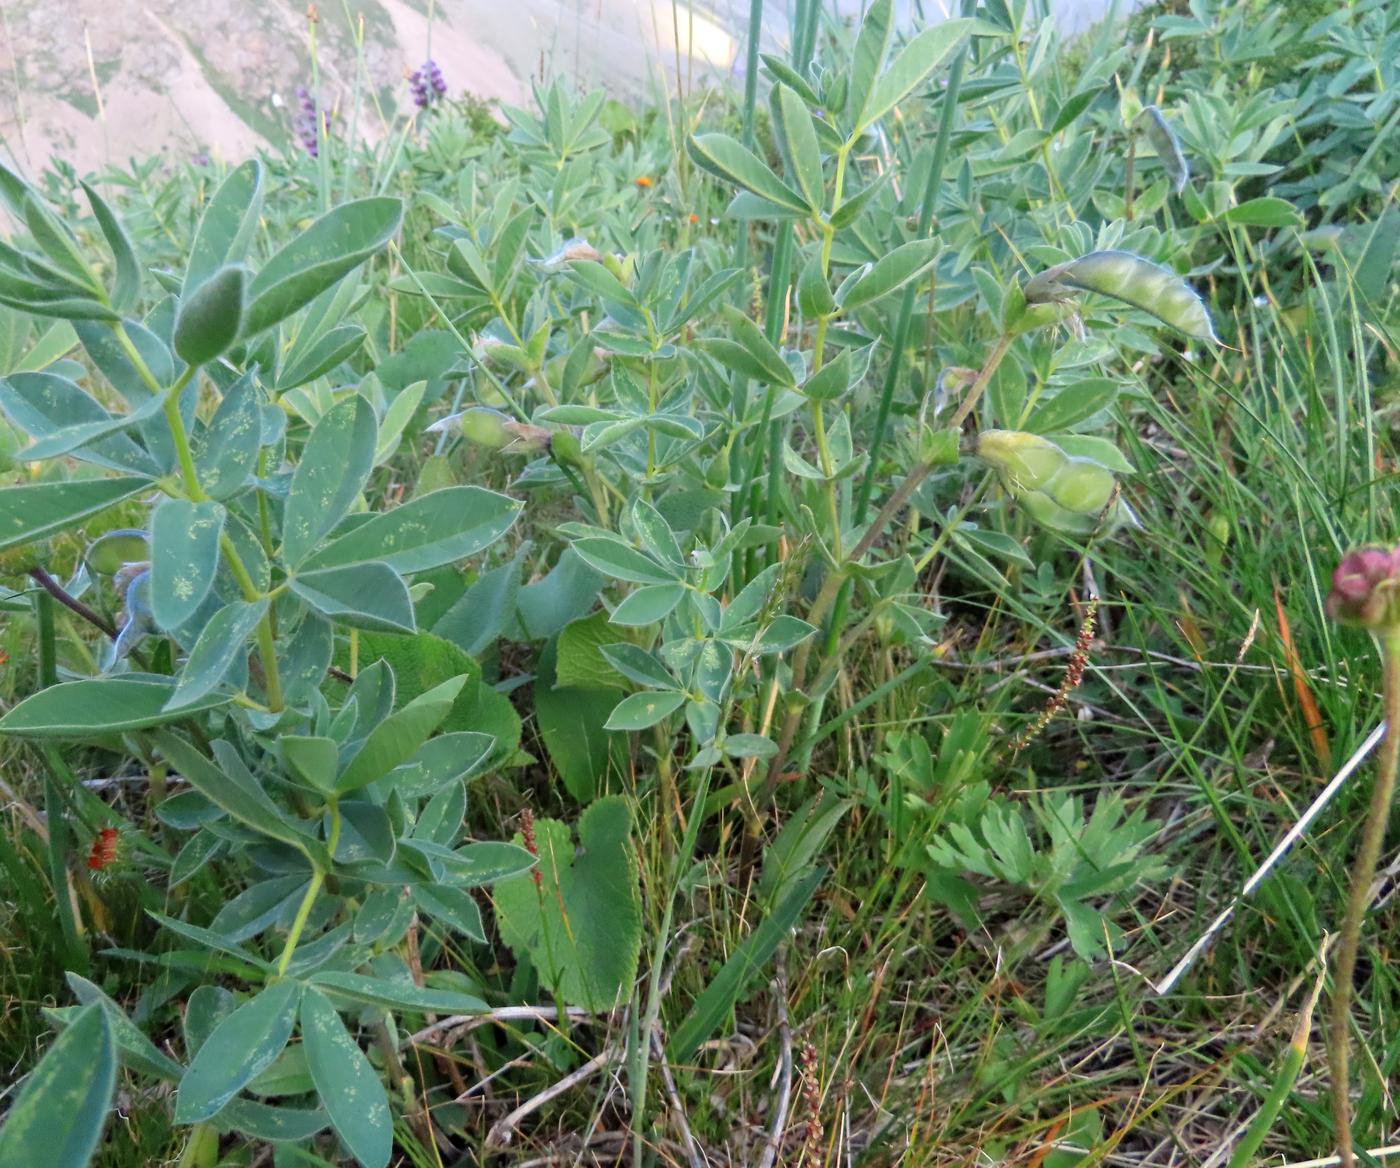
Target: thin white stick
{"x":1290,"y":838}
{"x":1329,"y":1161}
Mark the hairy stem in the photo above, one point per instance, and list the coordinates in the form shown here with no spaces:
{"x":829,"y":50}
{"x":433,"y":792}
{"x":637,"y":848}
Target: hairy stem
{"x":1358,"y":897}
{"x":72,"y":603}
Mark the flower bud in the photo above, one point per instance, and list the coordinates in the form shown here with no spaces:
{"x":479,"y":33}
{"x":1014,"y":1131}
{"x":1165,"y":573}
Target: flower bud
{"x":1366,"y":589}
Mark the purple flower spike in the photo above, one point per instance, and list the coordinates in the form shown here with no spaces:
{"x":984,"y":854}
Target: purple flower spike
{"x":427,"y":84}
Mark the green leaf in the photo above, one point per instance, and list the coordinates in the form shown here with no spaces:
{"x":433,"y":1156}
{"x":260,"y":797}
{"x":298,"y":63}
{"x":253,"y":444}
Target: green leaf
{"x":240,"y":1046}
{"x":324,"y":354}
{"x":644,"y":709}
{"x":728,"y":159}
{"x":453,"y":907}
{"x":126,"y":278}
{"x":1073,"y":404}
{"x":350,"y":1091}
{"x":638,"y":665}
{"x":750,"y":352}
{"x":484,"y":611}
{"x":227,"y":226}
{"x":1266,"y":211}
{"x":570,"y":721}
{"x":438,"y":528}
{"x":621,"y":561}
{"x":184,"y":558}
{"x":231,"y":788}
{"x":31,"y":512}
{"x":797,"y":140}
{"x":337,"y":243}
{"x":396,"y":738}
{"x":872,"y":48}
{"x":210,"y":316}
{"x":219,"y":645}
{"x":136,"y":1050}
{"x":581,"y":926}
{"x":272,"y":1124}
{"x":648,"y":604}
{"x":313,"y":760}
{"x":396,"y":417}
{"x":927,"y":51}
{"x":59,"y":244}
{"x":889,"y":273}
{"x":97,"y":706}
{"x":61,"y":418}
{"x":226,"y":451}
{"x":63,"y":1107}
{"x":330,"y":476}
{"x":747,"y":961}
{"x":397,"y":995}
{"x":364,"y":596}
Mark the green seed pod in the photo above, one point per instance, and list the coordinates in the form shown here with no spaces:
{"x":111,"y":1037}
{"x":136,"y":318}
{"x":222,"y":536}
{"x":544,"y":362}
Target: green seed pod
{"x":1167,"y":146}
{"x":483,"y":426}
{"x":1140,"y":283}
{"x":109,"y":552}
{"x":566,"y":449}
{"x":1082,"y":486}
{"x":1048,"y":513}
{"x":210,"y":317}
{"x":1025,"y":462}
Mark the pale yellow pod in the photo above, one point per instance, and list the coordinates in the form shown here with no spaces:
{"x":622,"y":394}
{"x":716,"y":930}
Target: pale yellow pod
{"x":1143,"y":284}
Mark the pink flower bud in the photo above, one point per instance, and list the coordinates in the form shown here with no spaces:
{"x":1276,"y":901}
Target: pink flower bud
{"x":1366,"y":589}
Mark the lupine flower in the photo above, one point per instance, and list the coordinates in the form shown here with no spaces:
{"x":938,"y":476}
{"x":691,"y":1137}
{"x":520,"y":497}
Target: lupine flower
{"x":1366,"y":589}
{"x":311,"y":123}
{"x":427,"y":84}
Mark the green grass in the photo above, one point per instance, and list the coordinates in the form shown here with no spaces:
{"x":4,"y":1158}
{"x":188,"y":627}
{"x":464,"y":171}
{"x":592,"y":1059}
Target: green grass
{"x":894,"y":1029}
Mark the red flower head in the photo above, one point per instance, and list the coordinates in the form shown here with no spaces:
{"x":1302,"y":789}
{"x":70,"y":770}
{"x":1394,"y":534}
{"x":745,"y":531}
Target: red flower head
{"x":1366,"y":589}
{"x":104,"y":850}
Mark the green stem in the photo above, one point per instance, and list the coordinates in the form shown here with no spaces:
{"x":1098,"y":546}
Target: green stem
{"x":318,"y":878}
{"x":175,"y":420}
{"x":1358,"y":897}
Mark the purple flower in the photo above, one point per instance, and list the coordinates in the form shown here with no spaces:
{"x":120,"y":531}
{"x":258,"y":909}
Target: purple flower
{"x":1366,"y":589}
{"x":310,"y":123}
{"x":427,"y":84}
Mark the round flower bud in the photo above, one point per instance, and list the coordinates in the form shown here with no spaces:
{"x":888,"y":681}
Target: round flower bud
{"x":1366,"y":589}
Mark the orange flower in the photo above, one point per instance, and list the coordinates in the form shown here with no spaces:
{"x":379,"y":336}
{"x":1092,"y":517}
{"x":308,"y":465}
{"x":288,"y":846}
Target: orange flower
{"x":644,"y":182}
{"x":104,"y":849}
{"x":694,"y":219}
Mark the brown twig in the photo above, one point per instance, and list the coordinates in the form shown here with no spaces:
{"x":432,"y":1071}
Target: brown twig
{"x":72,"y":603}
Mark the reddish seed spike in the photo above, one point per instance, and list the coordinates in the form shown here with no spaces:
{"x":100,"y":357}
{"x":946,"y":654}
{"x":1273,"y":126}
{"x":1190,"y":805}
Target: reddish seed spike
{"x":104,"y":850}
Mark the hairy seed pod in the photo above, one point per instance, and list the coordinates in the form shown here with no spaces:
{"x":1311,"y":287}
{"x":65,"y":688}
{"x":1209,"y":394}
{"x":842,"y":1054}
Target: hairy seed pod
{"x":1058,"y":490}
{"x":1025,"y":462}
{"x":1132,"y":280}
{"x":1167,"y":146}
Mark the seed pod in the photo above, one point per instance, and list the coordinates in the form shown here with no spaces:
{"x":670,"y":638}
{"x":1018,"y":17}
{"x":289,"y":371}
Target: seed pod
{"x":1133,"y":280}
{"x":1025,"y":462}
{"x":108,"y":553}
{"x":1082,"y":486}
{"x":1167,"y":146}
{"x":480,"y":425}
{"x":569,"y":251}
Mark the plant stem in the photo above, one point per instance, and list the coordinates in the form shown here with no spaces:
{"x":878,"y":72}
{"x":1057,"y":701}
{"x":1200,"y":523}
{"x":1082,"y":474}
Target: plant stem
{"x":641,"y":1061}
{"x":72,"y":603}
{"x":318,"y":878}
{"x":1358,"y":897}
